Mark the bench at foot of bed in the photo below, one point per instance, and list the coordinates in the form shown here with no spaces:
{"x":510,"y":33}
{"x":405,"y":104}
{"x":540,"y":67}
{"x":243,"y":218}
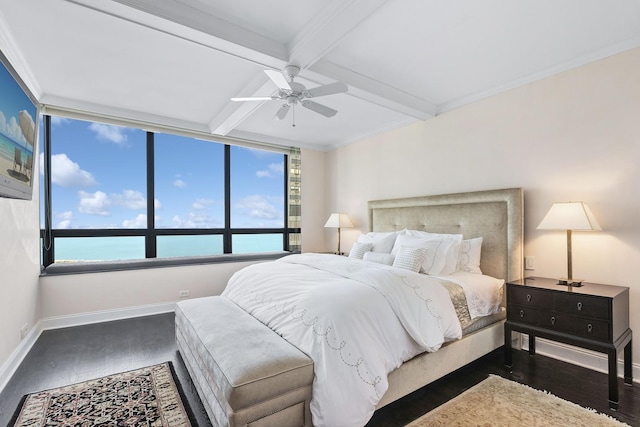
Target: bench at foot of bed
{"x":245,"y":374}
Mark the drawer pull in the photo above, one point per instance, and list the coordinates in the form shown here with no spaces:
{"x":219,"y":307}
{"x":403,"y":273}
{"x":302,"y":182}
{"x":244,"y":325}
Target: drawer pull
{"x":528,"y":297}
{"x":553,"y":320}
{"x":579,"y":306}
{"x":589,"y":328}
{"x":521,"y":313}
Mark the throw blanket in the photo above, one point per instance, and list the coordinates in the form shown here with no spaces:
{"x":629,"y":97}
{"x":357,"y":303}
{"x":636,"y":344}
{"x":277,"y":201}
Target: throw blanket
{"x":358,"y":321}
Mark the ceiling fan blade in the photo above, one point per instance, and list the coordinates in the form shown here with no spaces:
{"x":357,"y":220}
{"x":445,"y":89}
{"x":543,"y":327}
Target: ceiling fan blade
{"x":278,"y":79}
{"x":319,"y":108}
{"x":282,"y":112}
{"x":255,"y":98}
{"x":330,"y":89}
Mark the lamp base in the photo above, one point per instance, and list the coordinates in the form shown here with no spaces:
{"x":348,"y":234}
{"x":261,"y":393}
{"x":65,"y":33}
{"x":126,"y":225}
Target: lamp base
{"x":570,"y":282}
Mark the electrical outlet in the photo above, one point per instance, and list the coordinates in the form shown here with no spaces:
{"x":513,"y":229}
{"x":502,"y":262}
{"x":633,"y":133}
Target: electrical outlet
{"x":24,"y":331}
{"x":529,"y":263}
{"x":184,"y":294}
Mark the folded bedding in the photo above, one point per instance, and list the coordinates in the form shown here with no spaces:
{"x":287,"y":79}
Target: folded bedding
{"x":358,"y":321}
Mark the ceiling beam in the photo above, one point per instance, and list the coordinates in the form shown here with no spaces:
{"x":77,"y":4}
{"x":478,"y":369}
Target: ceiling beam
{"x":175,"y":19}
{"x":374,"y":91}
{"x":326,"y":30}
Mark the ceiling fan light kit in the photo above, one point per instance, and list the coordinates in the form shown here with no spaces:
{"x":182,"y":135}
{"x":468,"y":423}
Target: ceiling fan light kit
{"x":294,"y":93}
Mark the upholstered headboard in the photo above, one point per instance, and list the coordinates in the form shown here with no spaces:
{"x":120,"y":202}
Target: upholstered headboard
{"x":496,"y":215}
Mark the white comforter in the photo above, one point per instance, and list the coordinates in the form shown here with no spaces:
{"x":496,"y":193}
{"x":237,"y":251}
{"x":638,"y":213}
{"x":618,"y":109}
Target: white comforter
{"x":358,"y":321}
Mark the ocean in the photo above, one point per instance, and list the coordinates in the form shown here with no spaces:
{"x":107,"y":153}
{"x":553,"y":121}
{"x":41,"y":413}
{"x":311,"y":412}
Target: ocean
{"x":129,"y":248}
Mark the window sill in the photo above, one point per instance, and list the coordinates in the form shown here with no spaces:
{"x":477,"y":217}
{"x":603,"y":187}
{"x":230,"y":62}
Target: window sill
{"x":81,"y":267}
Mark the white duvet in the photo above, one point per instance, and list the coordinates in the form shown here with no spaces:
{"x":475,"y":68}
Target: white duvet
{"x":358,"y":321}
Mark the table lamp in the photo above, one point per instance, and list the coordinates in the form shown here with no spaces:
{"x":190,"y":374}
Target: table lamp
{"x":338,"y":220}
{"x":569,"y":216}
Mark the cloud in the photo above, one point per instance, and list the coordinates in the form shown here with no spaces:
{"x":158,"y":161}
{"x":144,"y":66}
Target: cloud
{"x":65,"y":220}
{"x":67,"y":173}
{"x":130,"y":199}
{"x":11,"y":128}
{"x":258,"y":207}
{"x":110,"y":133}
{"x":97,"y":203}
{"x":201,"y":204}
{"x":179,"y":183}
{"x":58,"y":121}
{"x":195,"y":221}
{"x":139,"y":222}
{"x":157,"y":204}
{"x":274,"y":169}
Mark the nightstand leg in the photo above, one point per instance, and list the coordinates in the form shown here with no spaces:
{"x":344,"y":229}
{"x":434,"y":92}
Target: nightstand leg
{"x":532,"y":345}
{"x":628,"y":374}
{"x":507,"y":346}
{"x":613,"y":379}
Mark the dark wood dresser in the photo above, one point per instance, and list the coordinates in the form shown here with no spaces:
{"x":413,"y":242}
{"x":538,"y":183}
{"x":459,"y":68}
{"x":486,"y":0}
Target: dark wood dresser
{"x":593,"y":316}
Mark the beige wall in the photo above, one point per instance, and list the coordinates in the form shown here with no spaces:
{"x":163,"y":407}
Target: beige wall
{"x":19,"y":270}
{"x":574,"y":136}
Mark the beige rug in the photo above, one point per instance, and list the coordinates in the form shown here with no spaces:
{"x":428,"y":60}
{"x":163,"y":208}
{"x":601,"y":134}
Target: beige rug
{"x":500,"y":402}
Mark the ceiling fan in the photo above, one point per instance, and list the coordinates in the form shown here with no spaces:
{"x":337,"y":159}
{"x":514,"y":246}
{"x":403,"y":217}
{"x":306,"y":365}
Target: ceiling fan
{"x":295,"y":93}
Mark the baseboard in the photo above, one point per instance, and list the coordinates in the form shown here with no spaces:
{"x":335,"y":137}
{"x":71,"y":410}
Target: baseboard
{"x":80,"y":319}
{"x":578,"y":356}
{"x":9,"y":367}
{"x":15,"y":359}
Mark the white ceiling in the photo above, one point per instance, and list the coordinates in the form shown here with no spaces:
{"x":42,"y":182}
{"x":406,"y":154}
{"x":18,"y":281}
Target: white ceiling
{"x":178,"y":62}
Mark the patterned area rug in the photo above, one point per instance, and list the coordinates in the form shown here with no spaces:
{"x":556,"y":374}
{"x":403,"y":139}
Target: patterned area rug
{"x":143,"y":397}
{"x":500,"y":402}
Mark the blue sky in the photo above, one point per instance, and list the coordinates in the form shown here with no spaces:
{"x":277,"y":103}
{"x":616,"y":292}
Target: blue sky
{"x":99,"y":180}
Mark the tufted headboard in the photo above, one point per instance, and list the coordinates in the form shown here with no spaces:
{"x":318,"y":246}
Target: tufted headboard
{"x":496,"y":215}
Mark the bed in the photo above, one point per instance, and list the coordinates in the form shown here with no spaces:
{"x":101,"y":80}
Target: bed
{"x":223,"y":370}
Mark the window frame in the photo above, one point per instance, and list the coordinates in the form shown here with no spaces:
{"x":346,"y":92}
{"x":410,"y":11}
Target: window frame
{"x":48,"y":234}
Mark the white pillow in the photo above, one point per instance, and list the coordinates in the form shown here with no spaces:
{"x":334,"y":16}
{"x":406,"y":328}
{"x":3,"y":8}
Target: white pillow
{"x":359,"y":249}
{"x":410,"y":258}
{"x":379,"y":257}
{"x":469,"y":256}
{"x":382,"y":242}
{"x":451,"y":251}
{"x":436,"y":251}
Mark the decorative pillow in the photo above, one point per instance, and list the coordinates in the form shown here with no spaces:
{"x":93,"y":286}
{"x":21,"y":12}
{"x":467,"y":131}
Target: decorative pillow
{"x":359,"y":249}
{"x":436,"y":256}
{"x":410,"y":258}
{"x":469,"y":256}
{"x":382,"y":242}
{"x":450,"y":250}
{"x":379,"y":257}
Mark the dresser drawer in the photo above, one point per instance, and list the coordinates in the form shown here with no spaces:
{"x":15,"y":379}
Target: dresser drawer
{"x":583,"y":305}
{"x":528,"y":297}
{"x":591,"y":329}
{"x":527,"y":315}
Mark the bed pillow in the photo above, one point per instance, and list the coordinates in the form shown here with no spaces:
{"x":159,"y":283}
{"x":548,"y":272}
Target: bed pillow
{"x":437,"y":249}
{"x":379,"y":257}
{"x":359,"y":249}
{"x":451,"y":249}
{"x":410,"y":258}
{"x":469,"y":256}
{"x":382,"y":242}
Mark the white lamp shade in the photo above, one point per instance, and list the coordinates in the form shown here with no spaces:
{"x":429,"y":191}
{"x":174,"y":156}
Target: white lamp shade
{"x":569,"y":216}
{"x":338,"y":220}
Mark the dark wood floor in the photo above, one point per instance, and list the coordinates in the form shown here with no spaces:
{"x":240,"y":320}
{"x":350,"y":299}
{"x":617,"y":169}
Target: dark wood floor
{"x":71,"y":355}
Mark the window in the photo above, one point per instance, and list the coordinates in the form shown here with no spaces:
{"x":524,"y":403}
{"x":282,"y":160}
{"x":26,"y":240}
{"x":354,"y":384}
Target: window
{"x":119,"y":193}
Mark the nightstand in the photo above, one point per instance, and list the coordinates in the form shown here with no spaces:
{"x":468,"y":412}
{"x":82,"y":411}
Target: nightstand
{"x":594,"y":316}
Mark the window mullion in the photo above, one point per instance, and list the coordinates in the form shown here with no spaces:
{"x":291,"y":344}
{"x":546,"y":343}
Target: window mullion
{"x":150,"y":235}
{"x":227,"y":247}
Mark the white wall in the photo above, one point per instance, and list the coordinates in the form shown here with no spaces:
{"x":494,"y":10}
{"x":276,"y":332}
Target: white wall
{"x":19,"y":270}
{"x":574,"y":136}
